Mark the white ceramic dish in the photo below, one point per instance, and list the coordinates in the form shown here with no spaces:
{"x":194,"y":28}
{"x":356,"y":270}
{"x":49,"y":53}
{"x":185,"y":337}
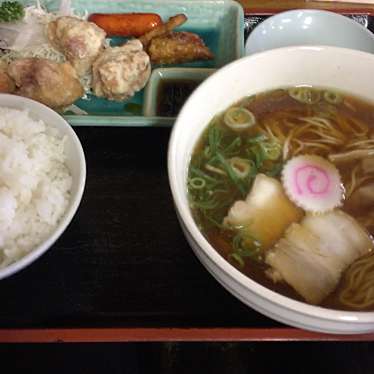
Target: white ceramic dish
{"x":75,"y":162}
{"x":309,"y":27}
{"x":344,"y":69}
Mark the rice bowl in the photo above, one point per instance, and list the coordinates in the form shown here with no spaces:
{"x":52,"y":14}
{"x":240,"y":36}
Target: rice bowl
{"x":42,"y":177}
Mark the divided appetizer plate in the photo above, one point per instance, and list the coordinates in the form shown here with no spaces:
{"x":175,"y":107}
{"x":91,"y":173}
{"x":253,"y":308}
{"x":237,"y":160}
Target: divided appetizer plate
{"x":220,"y":23}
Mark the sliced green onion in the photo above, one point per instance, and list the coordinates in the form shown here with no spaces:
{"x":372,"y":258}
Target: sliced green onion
{"x":257,"y":139}
{"x":207,"y":152}
{"x":239,"y":119}
{"x":272,"y":151}
{"x":197,"y":183}
{"x":332,"y":97}
{"x":247,"y":100}
{"x":209,"y":204}
{"x":201,"y":174}
{"x":305,"y":95}
{"x":275,"y":170}
{"x":237,"y":258}
{"x":277,"y":94}
{"x":257,"y":153}
{"x":233,"y":147}
{"x":214,"y":139}
{"x":241,"y":166}
{"x":231,"y":174}
{"x":213,"y":169}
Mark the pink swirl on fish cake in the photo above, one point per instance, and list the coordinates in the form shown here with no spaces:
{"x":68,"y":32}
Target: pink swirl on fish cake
{"x":311,"y":179}
{"x":312,"y":183}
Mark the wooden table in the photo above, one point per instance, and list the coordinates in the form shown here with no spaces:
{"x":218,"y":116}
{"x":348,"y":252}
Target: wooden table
{"x":271,"y":6}
{"x":123,"y":270}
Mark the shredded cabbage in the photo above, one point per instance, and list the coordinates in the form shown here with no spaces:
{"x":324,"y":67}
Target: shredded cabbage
{"x":76,"y":110}
{"x":27,"y":38}
{"x":29,"y":32}
{"x":65,"y":8}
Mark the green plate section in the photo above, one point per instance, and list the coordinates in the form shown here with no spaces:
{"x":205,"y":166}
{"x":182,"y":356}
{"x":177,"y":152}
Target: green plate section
{"x":219,"y":23}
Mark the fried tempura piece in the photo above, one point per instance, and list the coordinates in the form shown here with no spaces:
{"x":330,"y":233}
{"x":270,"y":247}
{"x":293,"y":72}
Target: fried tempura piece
{"x":6,"y":82}
{"x":48,"y":82}
{"x":119,"y":72}
{"x":80,"y":41}
{"x":163,"y":29}
{"x":167,"y":47}
{"x":178,"y":47}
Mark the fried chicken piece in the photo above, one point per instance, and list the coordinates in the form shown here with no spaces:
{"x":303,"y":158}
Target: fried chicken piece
{"x":168,"y":47}
{"x":80,"y":41}
{"x":163,"y":29}
{"x":53,"y":84}
{"x":119,"y":72}
{"x":6,"y":82}
{"x":178,"y":47}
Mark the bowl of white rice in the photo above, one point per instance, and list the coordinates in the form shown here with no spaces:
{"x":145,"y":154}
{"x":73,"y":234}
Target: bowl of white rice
{"x":42,"y":179}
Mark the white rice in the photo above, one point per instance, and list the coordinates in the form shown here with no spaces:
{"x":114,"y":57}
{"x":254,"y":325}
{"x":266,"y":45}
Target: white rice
{"x":34,"y":183}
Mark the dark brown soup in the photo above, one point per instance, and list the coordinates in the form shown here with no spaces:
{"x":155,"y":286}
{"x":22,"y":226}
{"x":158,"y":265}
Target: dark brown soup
{"x":172,"y":94}
{"x":254,"y":140}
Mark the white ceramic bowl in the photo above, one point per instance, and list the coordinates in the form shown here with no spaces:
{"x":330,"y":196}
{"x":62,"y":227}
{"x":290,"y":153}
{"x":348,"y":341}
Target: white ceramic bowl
{"x":75,"y":162}
{"x":344,"y":69}
{"x":309,"y":27}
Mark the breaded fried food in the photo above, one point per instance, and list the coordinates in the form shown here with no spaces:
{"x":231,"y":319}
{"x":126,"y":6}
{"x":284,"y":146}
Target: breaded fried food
{"x":6,"y":82}
{"x":119,"y":72}
{"x":163,"y":29}
{"x":165,"y":46}
{"x":178,"y":47}
{"x":51,"y":83}
{"x":80,"y":41}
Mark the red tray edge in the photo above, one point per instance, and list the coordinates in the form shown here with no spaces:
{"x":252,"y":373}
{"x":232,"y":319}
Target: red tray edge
{"x":271,"y":11}
{"x":95,"y":335}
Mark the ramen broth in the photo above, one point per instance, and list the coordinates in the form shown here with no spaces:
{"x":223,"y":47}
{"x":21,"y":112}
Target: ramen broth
{"x":285,"y":123}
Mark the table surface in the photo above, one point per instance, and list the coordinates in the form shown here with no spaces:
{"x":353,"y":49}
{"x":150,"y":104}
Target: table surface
{"x":276,"y":5}
{"x":123,"y":270}
{"x":124,"y":263}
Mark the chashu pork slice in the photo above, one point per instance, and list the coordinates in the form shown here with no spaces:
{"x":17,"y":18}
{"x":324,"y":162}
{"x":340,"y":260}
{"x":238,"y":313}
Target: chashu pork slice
{"x":313,"y":254}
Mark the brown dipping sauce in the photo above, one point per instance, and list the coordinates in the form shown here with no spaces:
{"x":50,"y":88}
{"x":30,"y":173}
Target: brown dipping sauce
{"x":172,"y":94}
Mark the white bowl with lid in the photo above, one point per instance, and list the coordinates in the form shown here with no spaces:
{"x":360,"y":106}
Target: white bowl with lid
{"x":309,"y":27}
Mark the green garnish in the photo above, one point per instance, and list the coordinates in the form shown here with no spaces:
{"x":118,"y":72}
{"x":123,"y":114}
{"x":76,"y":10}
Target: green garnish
{"x":275,"y":170}
{"x":245,"y":246}
{"x":332,"y":97}
{"x":197,"y":183}
{"x":235,"y":179}
{"x":235,"y":256}
{"x":224,"y":170}
{"x":272,"y":151}
{"x":239,"y":118}
{"x":11,"y":11}
{"x":241,"y":166}
{"x":305,"y":95}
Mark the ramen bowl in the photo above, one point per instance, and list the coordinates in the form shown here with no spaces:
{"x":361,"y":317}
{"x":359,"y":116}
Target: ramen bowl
{"x":336,"y":68}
